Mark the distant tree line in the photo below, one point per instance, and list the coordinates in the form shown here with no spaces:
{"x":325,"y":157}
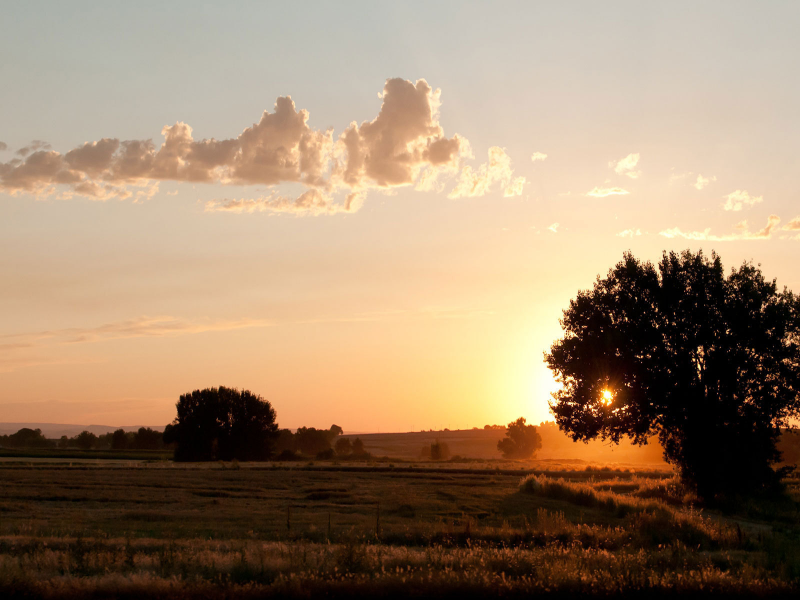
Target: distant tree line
{"x":323,"y":444}
{"x":26,"y":438}
{"x":143,"y":439}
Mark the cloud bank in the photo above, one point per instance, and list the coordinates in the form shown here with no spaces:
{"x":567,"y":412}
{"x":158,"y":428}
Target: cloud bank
{"x":403,"y":146}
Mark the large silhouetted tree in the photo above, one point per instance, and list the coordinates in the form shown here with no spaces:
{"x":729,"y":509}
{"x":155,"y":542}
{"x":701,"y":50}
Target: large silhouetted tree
{"x":222,"y":424}
{"x":521,"y":440}
{"x":709,"y":363}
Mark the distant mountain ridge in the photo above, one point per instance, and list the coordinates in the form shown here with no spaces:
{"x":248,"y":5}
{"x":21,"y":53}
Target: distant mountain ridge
{"x":56,"y":430}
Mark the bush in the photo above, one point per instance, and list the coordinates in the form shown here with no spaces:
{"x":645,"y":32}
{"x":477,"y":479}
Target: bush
{"x":287,"y":455}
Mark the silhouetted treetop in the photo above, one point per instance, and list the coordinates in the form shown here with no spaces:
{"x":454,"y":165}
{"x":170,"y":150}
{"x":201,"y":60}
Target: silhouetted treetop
{"x":521,"y":440}
{"x":222,"y":424}
{"x":709,"y":363}
{"x":25,"y":438}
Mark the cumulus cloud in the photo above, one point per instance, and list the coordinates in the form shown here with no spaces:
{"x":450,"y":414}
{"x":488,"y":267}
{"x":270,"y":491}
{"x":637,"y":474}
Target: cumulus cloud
{"x":703,"y":181}
{"x":392,"y":149}
{"x":738,"y":199}
{"x":626,"y":166}
{"x":404,"y":145}
{"x":3,"y":146}
{"x":629,"y":233}
{"x":599,"y":192}
{"x":743,"y":232}
{"x":538,"y":156}
{"x":793,"y":225}
{"x":478,"y":182}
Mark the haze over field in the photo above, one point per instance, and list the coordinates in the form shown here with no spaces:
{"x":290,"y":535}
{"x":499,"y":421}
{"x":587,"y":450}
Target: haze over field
{"x":375,"y":224}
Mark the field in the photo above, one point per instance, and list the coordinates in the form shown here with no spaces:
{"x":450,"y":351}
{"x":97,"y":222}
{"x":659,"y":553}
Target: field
{"x":383,"y":529}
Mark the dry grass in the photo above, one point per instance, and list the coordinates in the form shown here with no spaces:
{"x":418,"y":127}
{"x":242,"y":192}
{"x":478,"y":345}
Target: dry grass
{"x":214,"y":533}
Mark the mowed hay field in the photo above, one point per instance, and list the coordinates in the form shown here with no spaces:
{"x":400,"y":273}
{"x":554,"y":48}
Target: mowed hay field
{"x":217,"y":531}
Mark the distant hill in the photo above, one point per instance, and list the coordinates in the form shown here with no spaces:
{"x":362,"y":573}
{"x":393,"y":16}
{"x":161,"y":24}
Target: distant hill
{"x":482,"y":443}
{"x":56,"y":430}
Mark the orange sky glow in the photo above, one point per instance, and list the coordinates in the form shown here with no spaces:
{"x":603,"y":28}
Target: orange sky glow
{"x":380,"y":228}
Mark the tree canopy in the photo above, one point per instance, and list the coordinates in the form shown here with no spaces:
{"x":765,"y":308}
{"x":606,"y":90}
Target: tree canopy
{"x":222,"y":424}
{"x":309,"y":441}
{"x":521,"y":440}
{"x":709,"y":363}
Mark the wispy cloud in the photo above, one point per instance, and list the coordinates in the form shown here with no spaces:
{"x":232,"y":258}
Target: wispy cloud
{"x":22,"y":350}
{"x":703,"y":181}
{"x":553,"y":227}
{"x":679,"y":176}
{"x":629,"y":233}
{"x":738,"y":199}
{"x":599,"y":192}
{"x":793,"y":225}
{"x":312,"y":202}
{"x":742,"y":234}
{"x":538,"y":156}
{"x":478,"y":182}
{"x":626,"y":166}
{"x":140,"y":327}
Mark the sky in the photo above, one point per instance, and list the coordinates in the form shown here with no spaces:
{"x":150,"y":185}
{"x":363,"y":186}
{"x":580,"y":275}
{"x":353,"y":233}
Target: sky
{"x":371,"y":214}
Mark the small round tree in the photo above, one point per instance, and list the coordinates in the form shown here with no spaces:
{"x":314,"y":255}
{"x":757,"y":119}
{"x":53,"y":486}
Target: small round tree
{"x":344,"y":447}
{"x":222,"y":424}
{"x":521,"y":440}
{"x":709,"y":363}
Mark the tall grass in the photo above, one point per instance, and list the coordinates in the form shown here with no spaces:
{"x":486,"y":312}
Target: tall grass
{"x":197,"y":568}
{"x":649,"y":507}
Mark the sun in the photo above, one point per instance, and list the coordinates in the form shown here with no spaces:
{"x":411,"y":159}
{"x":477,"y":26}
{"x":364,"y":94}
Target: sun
{"x":606,"y":397}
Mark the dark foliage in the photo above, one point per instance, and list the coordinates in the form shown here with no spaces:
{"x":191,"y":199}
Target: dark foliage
{"x":436,"y":451}
{"x":521,"y":441}
{"x":288,"y":455}
{"x":119,"y":440}
{"x":328,"y":454}
{"x":25,"y":438}
{"x":344,"y":447}
{"x":307,"y":440}
{"x":85,"y":440}
{"x":711,"y":364}
{"x":311,"y":441}
{"x":222,"y":424}
{"x":143,"y":439}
